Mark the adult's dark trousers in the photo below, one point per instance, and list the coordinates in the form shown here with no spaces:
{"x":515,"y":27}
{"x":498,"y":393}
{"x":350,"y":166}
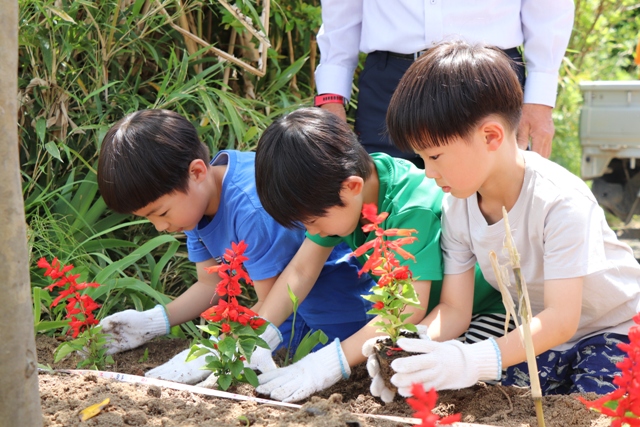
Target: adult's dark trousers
{"x":378,"y":80}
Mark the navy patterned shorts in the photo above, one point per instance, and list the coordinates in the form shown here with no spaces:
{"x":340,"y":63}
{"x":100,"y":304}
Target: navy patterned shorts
{"x":588,"y":366}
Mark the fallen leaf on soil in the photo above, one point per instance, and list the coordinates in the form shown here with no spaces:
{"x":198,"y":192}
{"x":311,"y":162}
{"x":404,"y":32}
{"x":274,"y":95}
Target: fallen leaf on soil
{"x":93,"y":410}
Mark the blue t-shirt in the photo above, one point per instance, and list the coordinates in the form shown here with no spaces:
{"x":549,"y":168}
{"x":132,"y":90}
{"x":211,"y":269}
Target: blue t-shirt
{"x":336,"y":295}
{"x":241,"y":216}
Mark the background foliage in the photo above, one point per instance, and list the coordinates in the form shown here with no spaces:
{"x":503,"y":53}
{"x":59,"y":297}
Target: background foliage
{"x":84,"y":64}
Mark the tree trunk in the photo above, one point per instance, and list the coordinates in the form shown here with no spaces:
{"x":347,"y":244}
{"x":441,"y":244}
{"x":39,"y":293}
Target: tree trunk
{"x":19,"y":398}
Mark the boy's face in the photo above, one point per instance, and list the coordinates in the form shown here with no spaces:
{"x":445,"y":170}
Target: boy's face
{"x":459,"y":168}
{"x":339,"y":220}
{"x":175,"y":212}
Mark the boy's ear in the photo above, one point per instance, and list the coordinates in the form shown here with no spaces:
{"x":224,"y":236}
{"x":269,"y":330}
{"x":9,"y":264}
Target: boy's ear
{"x":198,"y":170}
{"x":494,"y":134}
{"x":353,"y":184}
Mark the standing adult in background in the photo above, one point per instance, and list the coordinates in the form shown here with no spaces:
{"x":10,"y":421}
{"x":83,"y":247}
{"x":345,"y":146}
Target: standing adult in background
{"x":394,"y":32}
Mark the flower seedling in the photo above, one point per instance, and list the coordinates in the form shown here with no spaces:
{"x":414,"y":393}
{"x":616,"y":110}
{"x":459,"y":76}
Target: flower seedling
{"x":622,"y":405}
{"x":235,"y":328}
{"x":87,"y":338}
{"x":308,"y":342}
{"x":423,"y":403}
{"x":394,"y":290}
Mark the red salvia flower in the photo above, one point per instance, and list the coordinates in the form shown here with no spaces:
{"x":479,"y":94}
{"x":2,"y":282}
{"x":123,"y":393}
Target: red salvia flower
{"x":424,"y":402}
{"x":229,"y":320}
{"x":370,"y":213}
{"x":75,"y":302}
{"x":394,"y":291}
{"x":256,"y":322}
{"x":627,"y":396}
{"x":231,"y":274}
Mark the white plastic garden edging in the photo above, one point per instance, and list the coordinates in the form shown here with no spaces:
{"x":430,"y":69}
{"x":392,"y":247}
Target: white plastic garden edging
{"x":226,"y":395}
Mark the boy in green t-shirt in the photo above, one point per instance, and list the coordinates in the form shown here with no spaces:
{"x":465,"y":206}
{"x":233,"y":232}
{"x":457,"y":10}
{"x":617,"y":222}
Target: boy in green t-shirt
{"x":311,"y":169}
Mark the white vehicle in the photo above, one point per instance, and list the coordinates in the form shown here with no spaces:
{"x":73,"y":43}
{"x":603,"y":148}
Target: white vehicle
{"x":610,"y":139}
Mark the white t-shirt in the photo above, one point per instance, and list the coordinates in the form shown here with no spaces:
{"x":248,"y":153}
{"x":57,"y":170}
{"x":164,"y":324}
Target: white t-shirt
{"x":560,"y":232}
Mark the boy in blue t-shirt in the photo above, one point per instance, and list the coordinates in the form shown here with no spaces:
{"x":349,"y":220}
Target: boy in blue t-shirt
{"x":153,"y":164}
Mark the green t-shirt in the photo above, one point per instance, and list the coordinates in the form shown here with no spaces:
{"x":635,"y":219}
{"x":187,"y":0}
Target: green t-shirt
{"x":414,"y":202}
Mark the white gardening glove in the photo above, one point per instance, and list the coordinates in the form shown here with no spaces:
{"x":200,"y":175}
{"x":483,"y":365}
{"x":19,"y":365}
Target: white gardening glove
{"x":210,"y":382}
{"x":311,"y":374}
{"x":130,"y":328}
{"x":179,"y":370}
{"x":261,"y":358}
{"x":448,"y":365}
{"x":378,"y":387}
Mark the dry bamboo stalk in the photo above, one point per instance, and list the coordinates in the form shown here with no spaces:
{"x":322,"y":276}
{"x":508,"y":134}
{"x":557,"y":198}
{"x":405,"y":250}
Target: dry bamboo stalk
{"x":261,"y":71}
{"x":264,"y":46}
{"x":312,"y":63}
{"x":294,"y":80}
{"x":114,"y":24}
{"x":507,"y":301}
{"x":227,"y":70}
{"x":524,"y":311}
{"x":183,"y":21}
{"x":248,"y":23}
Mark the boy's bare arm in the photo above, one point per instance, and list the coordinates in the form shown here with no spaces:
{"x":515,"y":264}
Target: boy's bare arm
{"x":554,"y":325}
{"x":452,"y":316}
{"x":300,"y":275}
{"x":199,"y":297}
{"x":352,"y":346}
{"x":262,"y":287}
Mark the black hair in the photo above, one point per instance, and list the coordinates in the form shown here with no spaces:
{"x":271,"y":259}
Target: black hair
{"x":145,"y":156}
{"x":449,"y":90}
{"x":302,"y":160}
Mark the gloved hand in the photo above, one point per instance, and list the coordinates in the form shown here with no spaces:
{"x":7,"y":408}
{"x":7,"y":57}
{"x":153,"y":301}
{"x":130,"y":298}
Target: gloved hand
{"x":311,"y":374}
{"x":261,"y":358}
{"x":210,"y":382}
{"x":378,"y":387}
{"x":130,"y":328}
{"x":446,"y":365}
{"x":179,"y":370}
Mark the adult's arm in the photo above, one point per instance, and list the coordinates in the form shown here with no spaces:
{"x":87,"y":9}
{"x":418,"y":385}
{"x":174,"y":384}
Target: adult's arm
{"x":546,"y":27}
{"x":339,"y":44}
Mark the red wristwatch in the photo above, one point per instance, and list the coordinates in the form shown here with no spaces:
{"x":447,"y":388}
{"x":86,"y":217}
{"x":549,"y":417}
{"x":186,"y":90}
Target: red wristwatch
{"x":329,"y":98}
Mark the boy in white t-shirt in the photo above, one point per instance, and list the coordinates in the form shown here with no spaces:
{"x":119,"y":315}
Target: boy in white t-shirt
{"x":458,"y":107}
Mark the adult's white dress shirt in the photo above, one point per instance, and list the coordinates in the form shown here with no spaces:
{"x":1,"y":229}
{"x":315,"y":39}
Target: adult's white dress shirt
{"x":408,"y":26}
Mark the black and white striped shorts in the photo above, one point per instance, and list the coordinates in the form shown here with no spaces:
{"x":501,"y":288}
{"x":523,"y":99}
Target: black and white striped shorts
{"x":485,"y":326}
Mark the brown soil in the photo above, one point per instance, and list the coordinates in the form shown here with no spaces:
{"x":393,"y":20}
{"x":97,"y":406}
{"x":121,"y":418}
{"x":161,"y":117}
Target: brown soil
{"x":64,"y":395}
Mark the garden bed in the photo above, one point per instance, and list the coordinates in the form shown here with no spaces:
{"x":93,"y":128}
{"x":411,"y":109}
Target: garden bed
{"x":64,"y":395}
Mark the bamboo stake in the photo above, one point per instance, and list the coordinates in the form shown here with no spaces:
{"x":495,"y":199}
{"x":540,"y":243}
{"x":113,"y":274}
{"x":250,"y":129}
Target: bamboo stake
{"x":524,"y":311}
